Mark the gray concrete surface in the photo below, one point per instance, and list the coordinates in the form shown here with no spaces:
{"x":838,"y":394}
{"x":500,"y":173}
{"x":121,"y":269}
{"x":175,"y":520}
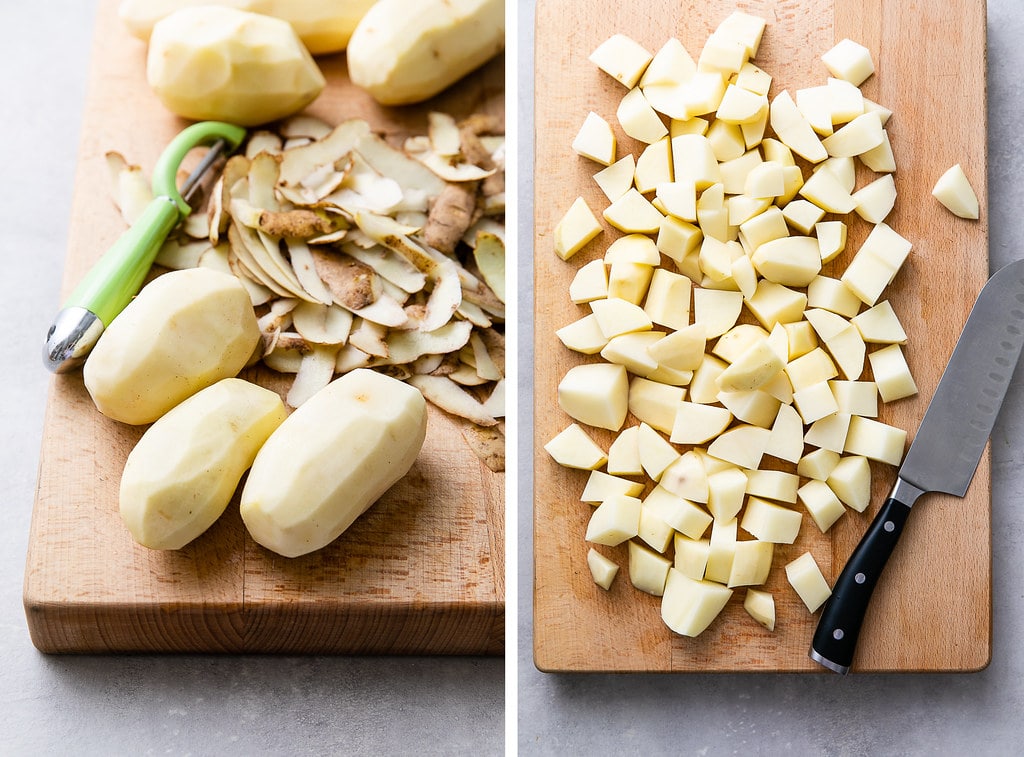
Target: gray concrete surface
{"x":160,"y":704}
{"x":977,"y":714}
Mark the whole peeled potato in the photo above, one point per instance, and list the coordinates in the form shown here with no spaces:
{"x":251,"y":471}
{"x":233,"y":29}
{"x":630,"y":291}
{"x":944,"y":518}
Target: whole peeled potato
{"x":331,"y":460}
{"x":221,"y":64}
{"x":406,"y":51}
{"x":184,"y":331}
{"x":180,"y":477}
{"x":324,"y":26}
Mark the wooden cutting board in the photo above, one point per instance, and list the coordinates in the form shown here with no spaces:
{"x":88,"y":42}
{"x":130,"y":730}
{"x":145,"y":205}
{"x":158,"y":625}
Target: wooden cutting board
{"x":932,"y":610}
{"x":421,"y":573}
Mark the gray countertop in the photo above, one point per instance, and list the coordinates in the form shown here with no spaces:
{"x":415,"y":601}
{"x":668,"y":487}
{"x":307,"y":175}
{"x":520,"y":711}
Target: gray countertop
{"x":161,"y":704}
{"x":976,"y":714}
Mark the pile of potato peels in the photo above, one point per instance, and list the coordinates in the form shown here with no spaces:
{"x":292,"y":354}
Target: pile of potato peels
{"x":359,"y":254}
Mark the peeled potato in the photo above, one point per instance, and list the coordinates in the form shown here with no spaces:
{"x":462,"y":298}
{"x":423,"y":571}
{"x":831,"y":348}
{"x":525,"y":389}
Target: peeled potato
{"x":406,"y":51}
{"x":222,"y":64}
{"x":184,"y":331}
{"x":324,"y":26}
{"x":331,"y":460}
{"x":180,"y":477}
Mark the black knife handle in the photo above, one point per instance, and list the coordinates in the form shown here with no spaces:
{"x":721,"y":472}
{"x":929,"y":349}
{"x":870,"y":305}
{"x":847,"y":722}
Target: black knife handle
{"x":836,"y":636}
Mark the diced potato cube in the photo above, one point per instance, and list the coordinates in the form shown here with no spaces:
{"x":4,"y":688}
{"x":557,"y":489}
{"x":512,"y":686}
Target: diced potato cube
{"x":681,"y":514}
{"x":595,"y":140}
{"x":805,"y":577}
{"x":615,"y":317}
{"x":602,"y":569}
{"x":786,"y":441}
{"x":822,"y":503}
{"x":638,"y":119}
{"x":648,"y":571}
{"x":756,"y":407}
{"x":595,"y":394}
{"x":794,"y":130}
{"x":818,"y":464}
{"x":726,"y":490}
{"x":880,"y":159}
{"x":875,"y":440}
{"x":622,"y":58}
{"x":753,"y":368}
{"x":583,"y":335}
{"x":600,"y":486}
{"x":876,"y":200}
{"x":892,"y":374}
{"x":687,"y":478}
{"x":773,"y":303}
{"x":827,"y":192}
{"x":862,"y":134}
{"x":741,"y":445}
{"x":682,"y":350}
{"x":726,"y":139}
{"x":773,"y":484}
{"x":691,"y":556}
{"x":801,"y":338}
{"x":754,"y":79}
{"x":850,"y":479}
{"x":654,"y":403}
{"x":679,"y":198}
{"x":856,"y":397}
{"x":734,"y":172}
{"x":744,"y":28}
{"x":722,"y":551}
{"x":849,"y":61}
{"x":814,"y":367}
{"x":654,"y":166}
{"x":678,"y":238}
{"x":763,"y":228}
{"x":767,"y":521}
{"x":656,"y":454}
{"x":688,"y":606}
{"x":573,"y":448}
{"x":829,"y":432}
{"x":740,"y":106}
{"x":880,"y":325}
{"x":831,"y":239}
{"x":954,"y":191}
{"x":654,"y":531}
{"x":590,"y":283}
{"x":697,"y":424}
{"x":633,"y":213}
{"x":617,"y":179}
{"x":624,"y":454}
{"x":672,"y":64}
{"x":751,"y":563}
{"x":802,"y":215}
{"x":833,"y":295}
{"x":790,"y":261}
{"x":716,"y":311}
{"x":815,"y":401}
{"x":577,"y":227}
{"x":760,"y":605}
{"x":614,"y":521}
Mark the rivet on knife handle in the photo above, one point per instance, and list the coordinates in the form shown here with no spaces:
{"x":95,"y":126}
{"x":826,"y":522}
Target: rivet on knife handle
{"x":835,"y":639}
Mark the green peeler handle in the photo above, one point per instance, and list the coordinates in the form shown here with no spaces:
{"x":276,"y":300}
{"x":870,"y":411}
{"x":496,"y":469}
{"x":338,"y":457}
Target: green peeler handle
{"x":117,"y":276}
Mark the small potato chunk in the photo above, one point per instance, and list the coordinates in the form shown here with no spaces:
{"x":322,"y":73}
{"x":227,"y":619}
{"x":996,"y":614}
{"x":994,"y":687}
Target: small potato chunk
{"x":183,"y":472}
{"x":955,"y":192}
{"x":688,"y":606}
{"x":222,"y":64}
{"x":331,"y":460}
{"x":184,"y":331}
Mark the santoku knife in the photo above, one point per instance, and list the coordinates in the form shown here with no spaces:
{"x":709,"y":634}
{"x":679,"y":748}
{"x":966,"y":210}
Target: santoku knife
{"x":943,"y":457}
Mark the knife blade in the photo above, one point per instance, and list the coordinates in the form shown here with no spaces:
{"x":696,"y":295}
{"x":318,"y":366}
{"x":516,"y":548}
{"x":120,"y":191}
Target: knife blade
{"x":943,"y":457}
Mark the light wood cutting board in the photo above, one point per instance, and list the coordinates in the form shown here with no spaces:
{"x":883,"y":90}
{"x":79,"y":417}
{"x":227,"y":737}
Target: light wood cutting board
{"x":422,"y":572}
{"x":932,"y":610}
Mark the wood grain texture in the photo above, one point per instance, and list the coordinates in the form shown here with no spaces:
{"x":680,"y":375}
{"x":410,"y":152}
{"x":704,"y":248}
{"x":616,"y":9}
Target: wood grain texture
{"x":932,"y":610}
{"x":422,"y":572}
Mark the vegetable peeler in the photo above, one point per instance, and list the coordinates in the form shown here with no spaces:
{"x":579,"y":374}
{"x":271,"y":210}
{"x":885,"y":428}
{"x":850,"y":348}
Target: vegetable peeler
{"x":117,"y":277}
